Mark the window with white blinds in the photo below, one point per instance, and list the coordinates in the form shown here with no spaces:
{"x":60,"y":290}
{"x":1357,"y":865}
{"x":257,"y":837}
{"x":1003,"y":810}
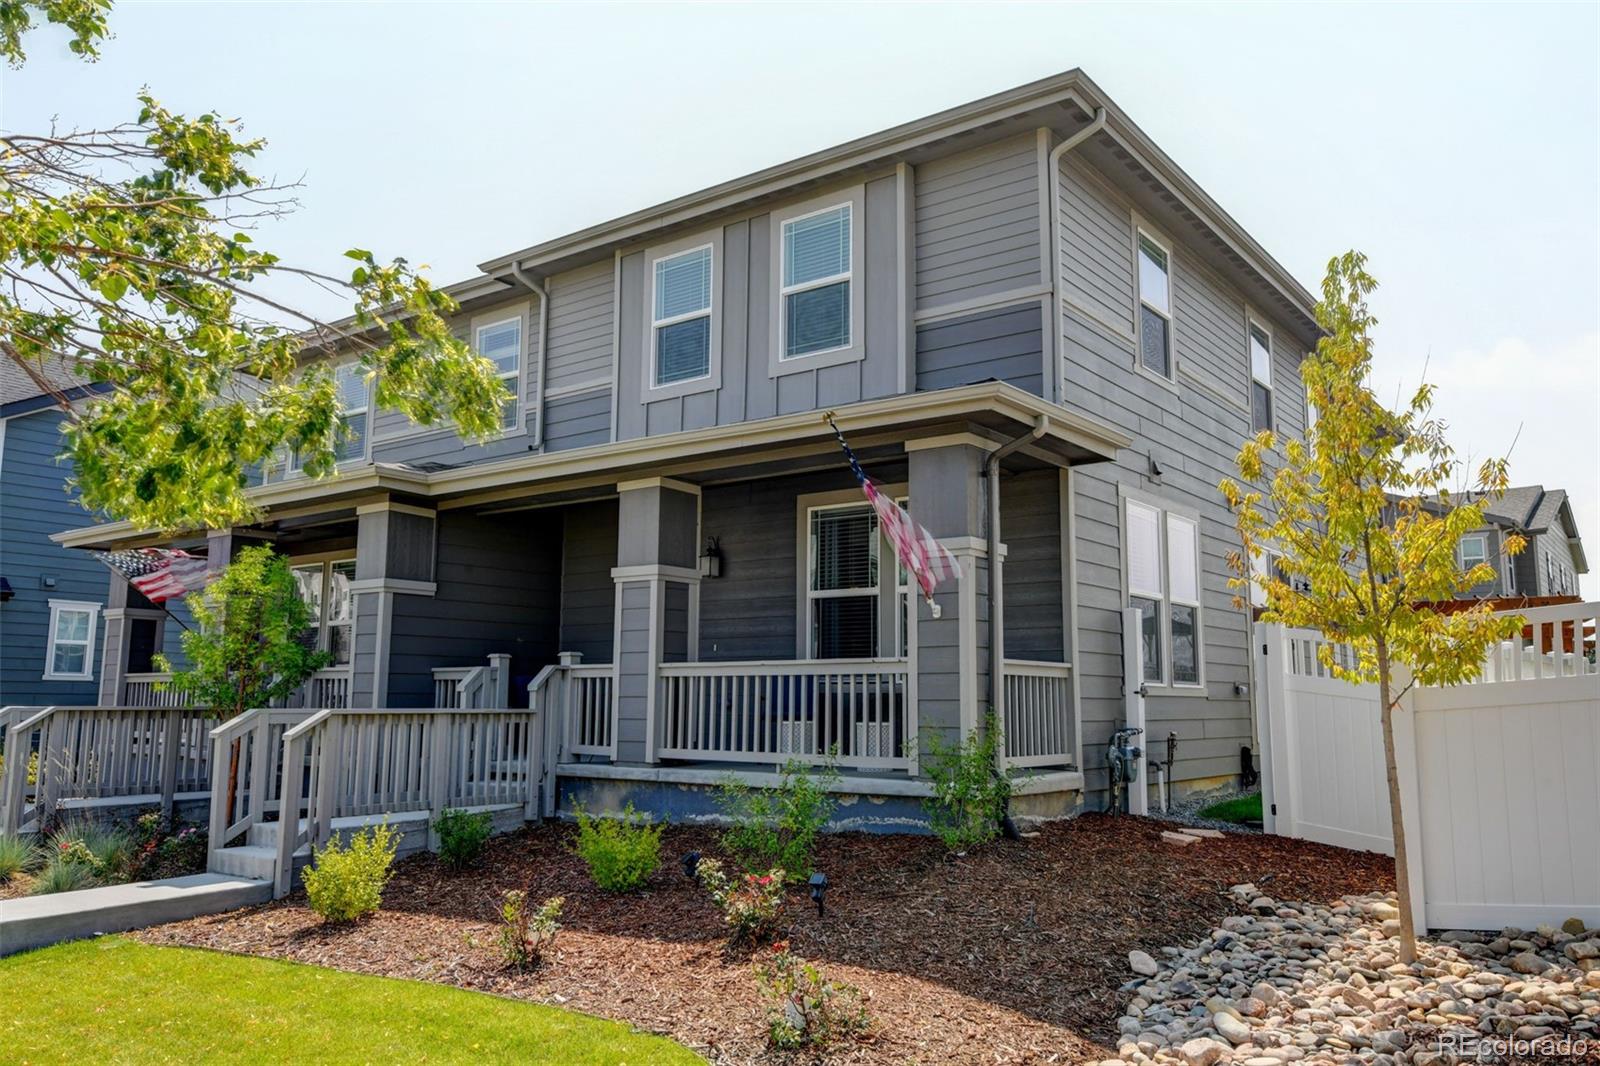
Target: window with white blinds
{"x":501,"y":344}
{"x":1162,"y":553}
{"x":816,"y":280}
{"x":681,"y":315}
{"x":842,"y":582}
{"x":351,"y":381}
{"x":1155,"y":305}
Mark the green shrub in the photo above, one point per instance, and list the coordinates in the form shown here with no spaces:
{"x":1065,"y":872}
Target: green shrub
{"x":109,"y":853}
{"x":778,"y":827}
{"x":462,"y":836}
{"x":621,"y":853}
{"x":33,"y":767}
{"x":807,"y":1009}
{"x":969,"y":793}
{"x":16,"y":856}
{"x":526,"y":935}
{"x":346,"y":883}
{"x":752,"y":904}
{"x":63,"y":875}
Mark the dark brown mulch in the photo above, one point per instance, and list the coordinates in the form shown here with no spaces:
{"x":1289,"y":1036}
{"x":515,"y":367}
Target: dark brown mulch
{"x":1014,"y":953}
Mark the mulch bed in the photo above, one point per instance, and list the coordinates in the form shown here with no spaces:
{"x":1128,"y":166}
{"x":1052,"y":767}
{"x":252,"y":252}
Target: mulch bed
{"x":1014,"y":953}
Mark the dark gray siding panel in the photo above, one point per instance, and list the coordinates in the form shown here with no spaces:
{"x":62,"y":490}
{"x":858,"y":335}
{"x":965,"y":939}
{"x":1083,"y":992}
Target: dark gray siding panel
{"x":34,"y":503}
{"x":1030,"y":526}
{"x":1004,"y":345}
{"x":977,"y":223}
{"x":578,"y":421}
{"x":588,"y":593}
{"x":498,"y":591}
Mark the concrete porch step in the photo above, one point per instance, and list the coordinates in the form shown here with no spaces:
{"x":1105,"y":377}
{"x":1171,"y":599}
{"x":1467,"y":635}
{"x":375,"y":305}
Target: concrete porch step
{"x":257,"y":862}
{"x":37,"y":921}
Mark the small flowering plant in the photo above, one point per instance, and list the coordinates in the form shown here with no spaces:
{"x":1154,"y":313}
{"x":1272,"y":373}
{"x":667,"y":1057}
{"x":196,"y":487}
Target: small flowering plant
{"x":752,"y":904}
{"x":526,"y":933}
{"x":806,"y":1008}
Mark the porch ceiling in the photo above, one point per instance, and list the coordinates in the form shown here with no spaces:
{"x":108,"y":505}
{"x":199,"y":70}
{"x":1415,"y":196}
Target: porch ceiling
{"x":989,"y":410}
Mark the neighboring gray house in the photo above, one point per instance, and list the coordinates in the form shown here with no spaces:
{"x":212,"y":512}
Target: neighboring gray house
{"x":53,"y":605}
{"x":1026,"y":277}
{"x":1552,"y":559}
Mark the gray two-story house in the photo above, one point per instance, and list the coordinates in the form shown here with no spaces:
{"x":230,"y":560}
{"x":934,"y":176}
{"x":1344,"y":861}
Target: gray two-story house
{"x":1552,"y":557}
{"x":1031,"y":325}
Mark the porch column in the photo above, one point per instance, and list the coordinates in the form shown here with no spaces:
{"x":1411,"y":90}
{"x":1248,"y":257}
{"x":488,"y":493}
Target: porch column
{"x":658,"y":592}
{"x":951,"y":653}
{"x":395,"y":547}
{"x":114,"y":659}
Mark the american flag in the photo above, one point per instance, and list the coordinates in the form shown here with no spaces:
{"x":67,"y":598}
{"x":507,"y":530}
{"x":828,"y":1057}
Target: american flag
{"x":923,"y":557}
{"x":159,"y":573}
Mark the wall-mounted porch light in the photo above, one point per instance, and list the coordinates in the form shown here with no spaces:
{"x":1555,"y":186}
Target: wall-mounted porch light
{"x":711,"y":559}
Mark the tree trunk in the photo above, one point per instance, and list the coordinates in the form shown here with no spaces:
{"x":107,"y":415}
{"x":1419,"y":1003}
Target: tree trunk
{"x":233,"y":777}
{"x":1402,"y":874}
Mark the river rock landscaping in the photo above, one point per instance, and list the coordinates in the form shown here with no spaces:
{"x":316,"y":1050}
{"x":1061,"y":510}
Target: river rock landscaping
{"x":1014,"y":953}
{"x":1284,"y":982}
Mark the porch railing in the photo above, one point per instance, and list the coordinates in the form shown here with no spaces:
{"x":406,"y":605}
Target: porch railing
{"x":473,"y":686}
{"x":325,"y":688}
{"x":101,"y":752}
{"x":255,"y":770}
{"x":144,"y":690}
{"x":386,"y":762}
{"x":1038,"y":728}
{"x":855,"y":711}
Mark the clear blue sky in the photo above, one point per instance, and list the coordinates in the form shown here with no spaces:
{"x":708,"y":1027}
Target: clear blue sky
{"x":1458,"y":146}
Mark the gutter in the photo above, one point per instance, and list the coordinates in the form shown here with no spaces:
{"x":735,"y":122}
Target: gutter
{"x":544,"y":336}
{"x":1057,"y":316}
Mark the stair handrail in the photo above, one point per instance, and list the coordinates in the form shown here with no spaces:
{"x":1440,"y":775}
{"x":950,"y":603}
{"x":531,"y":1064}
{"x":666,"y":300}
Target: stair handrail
{"x":14,"y":774}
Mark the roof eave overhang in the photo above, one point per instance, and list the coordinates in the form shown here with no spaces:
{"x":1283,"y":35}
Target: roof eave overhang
{"x":1067,"y":438}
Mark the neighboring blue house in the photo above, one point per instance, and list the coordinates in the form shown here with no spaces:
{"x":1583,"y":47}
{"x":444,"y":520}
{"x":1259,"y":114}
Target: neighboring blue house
{"x":54,"y":615}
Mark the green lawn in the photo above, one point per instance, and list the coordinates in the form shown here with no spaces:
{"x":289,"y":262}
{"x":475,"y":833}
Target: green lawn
{"x":1238,"y":809}
{"x":112,"y":1000}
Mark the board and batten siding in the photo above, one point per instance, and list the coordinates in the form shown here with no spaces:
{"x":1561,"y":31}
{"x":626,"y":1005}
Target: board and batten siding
{"x":977,"y":223}
{"x":1191,"y":429}
{"x":745,"y":298}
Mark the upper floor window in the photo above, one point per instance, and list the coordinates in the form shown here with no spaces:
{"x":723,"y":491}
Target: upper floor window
{"x":69,"y":655}
{"x":501,"y":343}
{"x":1260,"y":379}
{"x":816,"y":282}
{"x":681,"y":316}
{"x":1474,"y":550}
{"x":351,"y":381}
{"x":1155,"y":306}
{"x":1163,"y":576}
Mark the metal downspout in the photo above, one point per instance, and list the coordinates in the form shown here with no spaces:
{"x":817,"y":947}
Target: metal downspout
{"x":544,"y":336}
{"x":1056,"y":314}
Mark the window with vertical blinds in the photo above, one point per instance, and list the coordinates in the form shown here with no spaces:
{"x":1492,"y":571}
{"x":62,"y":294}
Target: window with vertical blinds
{"x":842,"y":585}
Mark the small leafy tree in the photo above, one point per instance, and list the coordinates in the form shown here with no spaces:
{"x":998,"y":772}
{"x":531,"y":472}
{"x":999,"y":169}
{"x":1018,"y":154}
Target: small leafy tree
{"x":778,"y":827}
{"x":248,"y":648}
{"x":1366,"y":514}
{"x":969,"y":794}
{"x":128,"y":251}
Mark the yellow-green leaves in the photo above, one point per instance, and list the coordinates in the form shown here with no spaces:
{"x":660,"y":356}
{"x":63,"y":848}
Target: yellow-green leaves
{"x":1367,"y":514}
{"x":85,"y":20}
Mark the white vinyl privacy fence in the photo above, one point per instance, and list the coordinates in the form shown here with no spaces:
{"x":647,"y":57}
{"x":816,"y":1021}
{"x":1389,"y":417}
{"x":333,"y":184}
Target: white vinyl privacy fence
{"x":1499,"y":778}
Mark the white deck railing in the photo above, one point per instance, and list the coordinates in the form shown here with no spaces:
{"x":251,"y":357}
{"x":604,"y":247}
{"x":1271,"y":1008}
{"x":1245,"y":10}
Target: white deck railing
{"x":1557,"y":641}
{"x":148,"y":690}
{"x":393,"y":761}
{"x":325,"y":688}
{"x":101,"y":752}
{"x":1039,"y":728}
{"x":855,"y":711}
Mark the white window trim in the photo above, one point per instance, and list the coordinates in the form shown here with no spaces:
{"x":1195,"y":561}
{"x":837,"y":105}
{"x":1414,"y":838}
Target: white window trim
{"x":889,"y":630}
{"x":1461,"y":549}
{"x":711,"y":380}
{"x":1141,"y":228}
{"x":1252,"y":322}
{"x":57,"y":607}
{"x":288,"y":470}
{"x":499,"y":317}
{"x":327,"y":561}
{"x":708,"y":312}
{"x":1165,"y":685}
{"x":777,"y":364}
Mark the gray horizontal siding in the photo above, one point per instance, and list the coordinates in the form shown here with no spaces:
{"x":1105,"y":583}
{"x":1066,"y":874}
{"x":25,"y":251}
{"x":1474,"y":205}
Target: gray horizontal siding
{"x":578,"y":421}
{"x":1030,"y":526}
{"x":588,"y":593}
{"x":580,"y":324}
{"x":1096,"y":235}
{"x":1002,"y":345}
{"x":977,"y":222}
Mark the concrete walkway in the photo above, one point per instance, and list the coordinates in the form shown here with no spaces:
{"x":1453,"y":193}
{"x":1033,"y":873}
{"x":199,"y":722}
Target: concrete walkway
{"x":37,"y":921}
